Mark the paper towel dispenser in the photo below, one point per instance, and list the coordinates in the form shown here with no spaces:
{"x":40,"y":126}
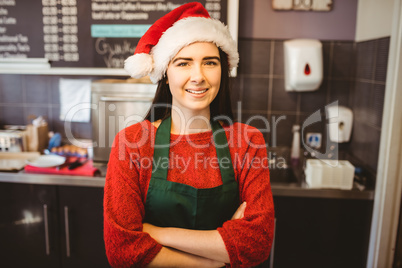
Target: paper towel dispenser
{"x":303,"y":64}
{"x":340,"y":123}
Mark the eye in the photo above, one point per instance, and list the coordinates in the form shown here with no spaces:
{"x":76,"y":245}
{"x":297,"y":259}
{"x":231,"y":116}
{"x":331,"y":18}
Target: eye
{"x":182,"y":64}
{"x":211,"y":63}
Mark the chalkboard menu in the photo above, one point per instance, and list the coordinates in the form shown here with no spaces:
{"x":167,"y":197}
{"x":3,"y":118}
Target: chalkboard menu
{"x":83,"y":33}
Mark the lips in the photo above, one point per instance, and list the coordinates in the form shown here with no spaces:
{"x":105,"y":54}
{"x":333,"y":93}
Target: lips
{"x":197,"y":91}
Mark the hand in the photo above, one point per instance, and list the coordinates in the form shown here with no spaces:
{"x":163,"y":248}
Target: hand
{"x":239,"y":214}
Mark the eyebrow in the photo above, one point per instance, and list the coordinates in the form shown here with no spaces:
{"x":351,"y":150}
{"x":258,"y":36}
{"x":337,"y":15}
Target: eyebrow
{"x":190,"y":59}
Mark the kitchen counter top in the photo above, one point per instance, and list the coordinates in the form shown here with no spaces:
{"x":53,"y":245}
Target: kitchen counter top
{"x":292,"y":189}
{"x":52,"y":179}
{"x":302,"y":190}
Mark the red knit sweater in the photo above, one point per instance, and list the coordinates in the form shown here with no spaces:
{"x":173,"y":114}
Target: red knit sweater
{"x":193,"y":161}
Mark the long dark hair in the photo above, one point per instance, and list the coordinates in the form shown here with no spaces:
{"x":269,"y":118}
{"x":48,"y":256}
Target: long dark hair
{"x":220,"y":106}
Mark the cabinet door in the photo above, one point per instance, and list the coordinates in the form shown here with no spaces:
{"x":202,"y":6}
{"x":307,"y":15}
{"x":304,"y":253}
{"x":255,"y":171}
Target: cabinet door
{"x":28,"y":226}
{"x":81,"y":214}
{"x":319,"y":232}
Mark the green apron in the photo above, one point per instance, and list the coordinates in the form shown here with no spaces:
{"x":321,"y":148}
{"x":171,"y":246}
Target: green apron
{"x":172,"y":204}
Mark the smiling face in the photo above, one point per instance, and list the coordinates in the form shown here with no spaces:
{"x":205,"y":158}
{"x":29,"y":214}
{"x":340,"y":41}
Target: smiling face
{"x":194,"y":77}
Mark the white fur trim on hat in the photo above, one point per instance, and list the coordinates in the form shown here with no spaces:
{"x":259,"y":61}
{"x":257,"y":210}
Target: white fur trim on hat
{"x":139,"y":65}
{"x":185,"y":32}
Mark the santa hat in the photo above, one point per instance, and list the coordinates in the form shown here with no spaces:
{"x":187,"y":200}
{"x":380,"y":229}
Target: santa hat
{"x":182,"y":26}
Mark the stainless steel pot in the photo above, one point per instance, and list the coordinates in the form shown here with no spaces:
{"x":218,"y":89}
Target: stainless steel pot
{"x":116,"y":105}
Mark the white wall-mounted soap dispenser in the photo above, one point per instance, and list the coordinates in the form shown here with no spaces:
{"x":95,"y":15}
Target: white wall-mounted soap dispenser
{"x":340,"y":121}
{"x":303,"y":64}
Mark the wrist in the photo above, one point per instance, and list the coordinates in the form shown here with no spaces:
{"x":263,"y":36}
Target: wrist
{"x":157,"y":234}
{"x":163,"y":234}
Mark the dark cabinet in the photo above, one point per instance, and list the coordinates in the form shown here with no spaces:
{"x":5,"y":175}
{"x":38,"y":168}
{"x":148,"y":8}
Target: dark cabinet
{"x":28,"y":225}
{"x":320,"y":232}
{"x":81,"y":212}
{"x":51,"y":226}
{"x":62,"y":226}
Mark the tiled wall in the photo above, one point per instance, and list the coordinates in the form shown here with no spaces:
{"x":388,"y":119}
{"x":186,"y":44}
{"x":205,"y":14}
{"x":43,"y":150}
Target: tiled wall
{"x":354,"y":75}
{"x":260,"y":87}
{"x":23,"y":97}
{"x":368,"y":99}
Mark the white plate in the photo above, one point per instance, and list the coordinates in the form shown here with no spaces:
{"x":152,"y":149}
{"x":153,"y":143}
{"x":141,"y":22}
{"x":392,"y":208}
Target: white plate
{"x":47,"y":161}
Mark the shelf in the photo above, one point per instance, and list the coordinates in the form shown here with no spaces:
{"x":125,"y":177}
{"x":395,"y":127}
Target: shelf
{"x":67,"y":71}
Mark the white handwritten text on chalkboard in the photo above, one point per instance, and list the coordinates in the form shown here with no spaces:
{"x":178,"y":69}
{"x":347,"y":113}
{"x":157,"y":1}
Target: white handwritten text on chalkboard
{"x":113,"y":54}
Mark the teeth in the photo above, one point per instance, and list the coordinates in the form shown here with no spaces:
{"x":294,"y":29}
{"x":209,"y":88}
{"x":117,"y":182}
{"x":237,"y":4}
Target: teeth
{"x":196,"y":92}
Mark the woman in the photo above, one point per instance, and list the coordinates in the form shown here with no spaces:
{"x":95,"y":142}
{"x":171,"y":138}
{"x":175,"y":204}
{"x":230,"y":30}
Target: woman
{"x":186,"y":187}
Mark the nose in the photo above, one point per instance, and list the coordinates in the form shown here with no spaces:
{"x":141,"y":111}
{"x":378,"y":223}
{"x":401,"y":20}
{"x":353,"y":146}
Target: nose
{"x":197,"y":74}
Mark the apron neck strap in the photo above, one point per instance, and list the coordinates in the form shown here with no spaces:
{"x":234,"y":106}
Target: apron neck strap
{"x":162,"y":145}
{"x":222,"y":151}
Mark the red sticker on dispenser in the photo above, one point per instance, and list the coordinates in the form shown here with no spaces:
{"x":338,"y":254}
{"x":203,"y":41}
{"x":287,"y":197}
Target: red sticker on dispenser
{"x":307,"y":70}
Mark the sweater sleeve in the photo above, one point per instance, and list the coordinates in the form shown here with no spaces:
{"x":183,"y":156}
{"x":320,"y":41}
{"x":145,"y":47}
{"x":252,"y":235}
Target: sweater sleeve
{"x":126,"y":244}
{"x":249,"y":240}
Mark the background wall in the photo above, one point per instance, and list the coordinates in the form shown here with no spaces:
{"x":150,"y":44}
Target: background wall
{"x":374,"y":19}
{"x":259,"y":20}
{"x":368,"y":92}
{"x":260,"y":88}
{"x":354,"y":75}
{"x":354,"y":72}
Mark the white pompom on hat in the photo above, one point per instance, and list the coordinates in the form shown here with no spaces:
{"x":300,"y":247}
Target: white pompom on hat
{"x":181,"y":27}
